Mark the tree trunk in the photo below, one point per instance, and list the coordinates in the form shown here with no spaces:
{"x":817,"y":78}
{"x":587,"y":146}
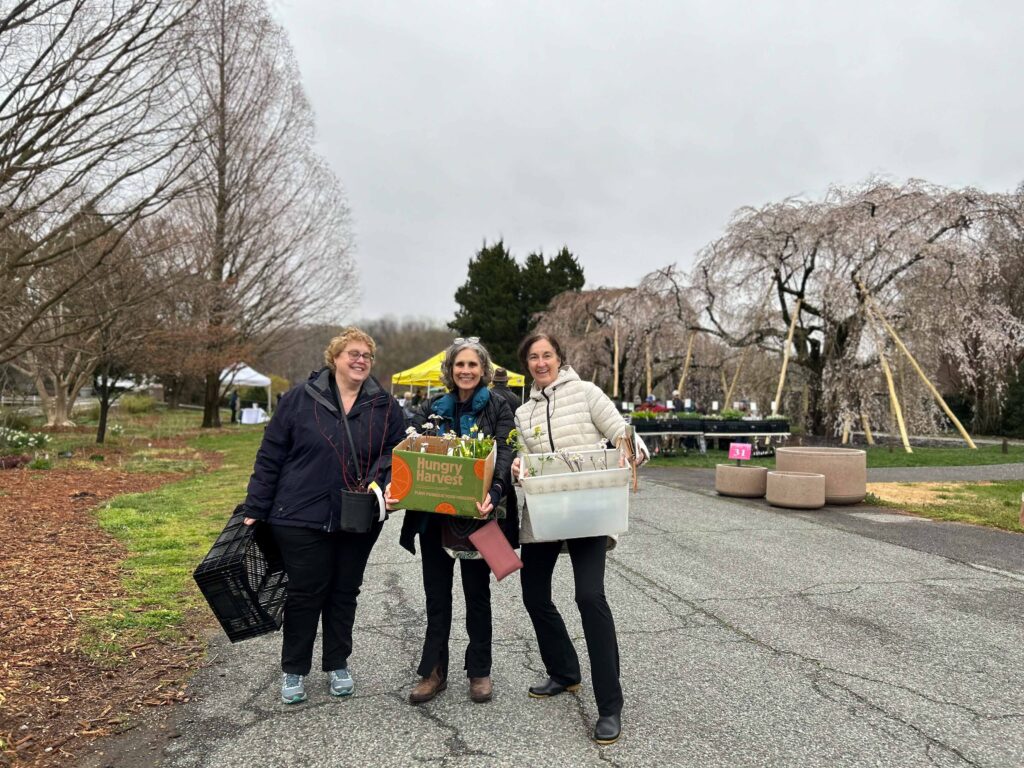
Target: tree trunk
{"x":104,"y":397}
{"x":211,"y":400}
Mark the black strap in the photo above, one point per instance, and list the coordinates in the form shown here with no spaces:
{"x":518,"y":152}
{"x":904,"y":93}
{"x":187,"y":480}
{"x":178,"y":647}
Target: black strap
{"x":351,"y":443}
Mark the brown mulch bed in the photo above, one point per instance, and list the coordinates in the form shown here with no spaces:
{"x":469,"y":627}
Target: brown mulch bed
{"x":57,"y":567}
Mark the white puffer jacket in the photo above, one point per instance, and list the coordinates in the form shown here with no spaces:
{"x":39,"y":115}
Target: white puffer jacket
{"x":571,"y":414}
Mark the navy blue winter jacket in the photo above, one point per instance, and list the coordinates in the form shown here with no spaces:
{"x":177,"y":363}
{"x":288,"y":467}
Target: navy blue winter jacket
{"x":305,"y":460}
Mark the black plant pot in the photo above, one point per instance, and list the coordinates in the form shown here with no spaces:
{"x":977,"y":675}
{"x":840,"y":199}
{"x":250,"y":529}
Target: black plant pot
{"x":359,"y":510}
{"x":689,"y":425}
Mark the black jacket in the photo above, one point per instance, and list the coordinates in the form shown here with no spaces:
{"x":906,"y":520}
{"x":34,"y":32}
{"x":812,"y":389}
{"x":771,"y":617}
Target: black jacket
{"x":305,"y":460}
{"x":495,"y":418}
{"x":508,"y":395}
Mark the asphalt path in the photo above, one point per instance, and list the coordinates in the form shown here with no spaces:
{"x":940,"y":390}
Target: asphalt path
{"x":748,"y":637}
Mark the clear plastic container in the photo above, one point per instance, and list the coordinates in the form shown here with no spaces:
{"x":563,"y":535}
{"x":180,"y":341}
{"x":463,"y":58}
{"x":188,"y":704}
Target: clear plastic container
{"x":573,"y":505}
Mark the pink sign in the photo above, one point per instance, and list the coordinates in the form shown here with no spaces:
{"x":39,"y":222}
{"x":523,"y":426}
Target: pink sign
{"x":740,"y":451}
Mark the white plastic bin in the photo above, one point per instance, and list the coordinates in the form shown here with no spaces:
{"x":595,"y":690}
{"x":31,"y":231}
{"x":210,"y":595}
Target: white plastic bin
{"x":572,"y":505}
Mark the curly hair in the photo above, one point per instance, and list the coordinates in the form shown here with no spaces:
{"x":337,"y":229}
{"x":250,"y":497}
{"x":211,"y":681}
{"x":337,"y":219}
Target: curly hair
{"x":448,"y":362}
{"x":343,"y":339}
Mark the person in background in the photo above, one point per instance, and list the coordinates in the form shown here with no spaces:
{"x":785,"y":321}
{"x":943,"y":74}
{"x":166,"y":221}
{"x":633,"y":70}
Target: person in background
{"x":465,"y":371}
{"x":499,"y":386}
{"x":408,"y":409}
{"x":677,"y":402}
{"x":233,"y":405}
{"x":564,"y":412}
{"x":304,"y":461}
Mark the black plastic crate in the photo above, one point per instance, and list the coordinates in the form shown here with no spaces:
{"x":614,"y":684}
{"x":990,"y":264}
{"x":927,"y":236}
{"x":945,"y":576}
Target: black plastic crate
{"x":243,"y":579}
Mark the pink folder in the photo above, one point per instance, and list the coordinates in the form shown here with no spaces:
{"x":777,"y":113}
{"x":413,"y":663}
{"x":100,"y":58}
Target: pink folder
{"x":492,"y":544}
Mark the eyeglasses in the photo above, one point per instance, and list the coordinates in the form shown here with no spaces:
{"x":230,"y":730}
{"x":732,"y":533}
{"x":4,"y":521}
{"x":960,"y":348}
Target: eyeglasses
{"x":467,"y":340}
{"x":353,"y":356}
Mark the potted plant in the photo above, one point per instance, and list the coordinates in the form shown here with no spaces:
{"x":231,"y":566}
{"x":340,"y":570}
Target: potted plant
{"x":644,"y":421}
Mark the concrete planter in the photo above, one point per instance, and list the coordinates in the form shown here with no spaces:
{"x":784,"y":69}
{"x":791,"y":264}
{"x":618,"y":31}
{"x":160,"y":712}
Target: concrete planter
{"x":796,"y":490}
{"x":845,"y":470}
{"x":743,"y":481}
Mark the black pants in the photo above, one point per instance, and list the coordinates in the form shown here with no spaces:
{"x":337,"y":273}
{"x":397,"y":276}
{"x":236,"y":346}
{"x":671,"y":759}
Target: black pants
{"x":556,"y":649}
{"x":325,"y":571}
{"x":438,"y":577}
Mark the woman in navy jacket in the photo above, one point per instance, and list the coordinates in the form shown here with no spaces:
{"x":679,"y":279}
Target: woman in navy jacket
{"x":303,"y":464}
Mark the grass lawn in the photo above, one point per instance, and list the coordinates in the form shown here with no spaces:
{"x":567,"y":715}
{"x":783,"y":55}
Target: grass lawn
{"x":995,"y":504}
{"x":877,"y":457}
{"x":167,"y":531}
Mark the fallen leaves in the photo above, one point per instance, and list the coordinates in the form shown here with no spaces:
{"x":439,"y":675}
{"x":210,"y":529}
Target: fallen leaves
{"x":57,"y":567}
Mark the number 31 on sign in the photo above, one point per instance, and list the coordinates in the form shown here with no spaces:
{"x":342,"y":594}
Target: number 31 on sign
{"x":740,"y":451}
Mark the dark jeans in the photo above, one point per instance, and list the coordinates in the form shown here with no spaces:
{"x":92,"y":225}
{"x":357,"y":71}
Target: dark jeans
{"x":556,"y":649}
{"x":325,"y":571}
{"x":438,"y":576}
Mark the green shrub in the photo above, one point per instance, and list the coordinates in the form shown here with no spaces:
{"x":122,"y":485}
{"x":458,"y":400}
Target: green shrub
{"x":1013,"y":408}
{"x":279,"y":385}
{"x":40,"y":464}
{"x":137,"y":403}
{"x":249,"y":395}
{"x":88,"y":415}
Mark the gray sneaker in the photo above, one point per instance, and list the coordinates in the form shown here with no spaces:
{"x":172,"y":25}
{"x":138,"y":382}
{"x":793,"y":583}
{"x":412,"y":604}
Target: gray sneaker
{"x":292,"y":689}
{"x":341,"y":683}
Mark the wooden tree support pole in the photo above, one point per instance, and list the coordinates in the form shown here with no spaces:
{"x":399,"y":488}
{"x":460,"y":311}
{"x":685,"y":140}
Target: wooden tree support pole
{"x":867,"y":428}
{"x":647,"y":363}
{"x":924,"y":378}
{"x":894,"y":401}
{"x":686,"y":364}
{"x":735,"y":377}
{"x":615,"y":365}
{"x":846,"y":432}
{"x":785,"y":359}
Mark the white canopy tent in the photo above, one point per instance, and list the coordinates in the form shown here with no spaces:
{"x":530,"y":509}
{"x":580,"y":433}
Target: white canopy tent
{"x":241,"y":375}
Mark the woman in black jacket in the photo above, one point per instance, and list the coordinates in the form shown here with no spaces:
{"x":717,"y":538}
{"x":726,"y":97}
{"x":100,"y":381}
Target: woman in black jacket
{"x":466,"y":371}
{"x":335,"y":433}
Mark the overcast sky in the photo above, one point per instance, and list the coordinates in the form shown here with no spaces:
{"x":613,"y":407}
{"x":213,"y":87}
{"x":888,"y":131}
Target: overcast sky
{"x":630,"y":132}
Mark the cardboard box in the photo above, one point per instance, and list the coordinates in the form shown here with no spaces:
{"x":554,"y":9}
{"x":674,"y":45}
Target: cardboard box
{"x":432,"y":481}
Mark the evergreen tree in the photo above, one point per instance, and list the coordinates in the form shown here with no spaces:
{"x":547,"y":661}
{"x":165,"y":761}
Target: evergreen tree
{"x":499,"y":299}
{"x":1013,"y":408}
{"x":488,"y":302}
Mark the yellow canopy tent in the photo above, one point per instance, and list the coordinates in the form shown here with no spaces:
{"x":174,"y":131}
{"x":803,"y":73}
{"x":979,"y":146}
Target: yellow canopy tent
{"x":428,"y":374}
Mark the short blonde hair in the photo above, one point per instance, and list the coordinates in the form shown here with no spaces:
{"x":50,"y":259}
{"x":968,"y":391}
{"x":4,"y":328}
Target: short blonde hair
{"x":343,"y":339}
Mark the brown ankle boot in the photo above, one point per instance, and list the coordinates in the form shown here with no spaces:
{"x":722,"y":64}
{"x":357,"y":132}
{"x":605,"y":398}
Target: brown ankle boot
{"x":428,"y":687}
{"x":480,"y":689}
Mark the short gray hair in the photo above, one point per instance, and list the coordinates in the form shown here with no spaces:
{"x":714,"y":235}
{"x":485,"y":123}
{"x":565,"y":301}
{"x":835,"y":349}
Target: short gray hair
{"x":448,"y":362}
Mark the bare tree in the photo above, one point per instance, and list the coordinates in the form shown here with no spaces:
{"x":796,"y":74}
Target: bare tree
{"x":91,"y":122}
{"x":270,"y":223}
{"x":874,"y":242}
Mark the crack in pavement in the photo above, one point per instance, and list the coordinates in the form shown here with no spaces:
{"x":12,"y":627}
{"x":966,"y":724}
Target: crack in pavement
{"x":892,"y":716}
{"x":645,"y":584}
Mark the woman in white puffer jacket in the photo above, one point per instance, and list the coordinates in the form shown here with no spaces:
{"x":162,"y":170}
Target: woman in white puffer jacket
{"x":564,"y":412}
